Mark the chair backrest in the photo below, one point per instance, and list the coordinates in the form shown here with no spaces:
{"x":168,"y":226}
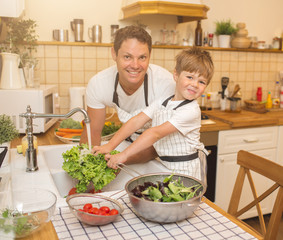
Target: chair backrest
{"x":271,"y":170}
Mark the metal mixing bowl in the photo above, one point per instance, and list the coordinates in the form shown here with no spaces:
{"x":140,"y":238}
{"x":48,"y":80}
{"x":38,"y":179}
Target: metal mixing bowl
{"x":164,"y":212}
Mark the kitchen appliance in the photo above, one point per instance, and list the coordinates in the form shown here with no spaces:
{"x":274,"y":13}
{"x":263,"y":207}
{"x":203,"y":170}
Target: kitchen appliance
{"x":77,"y":25}
{"x":10,"y":73}
{"x":44,"y":99}
{"x":61,"y":35}
{"x":95,"y":33}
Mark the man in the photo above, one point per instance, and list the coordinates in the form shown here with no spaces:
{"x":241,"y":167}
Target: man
{"x":129,"y":86}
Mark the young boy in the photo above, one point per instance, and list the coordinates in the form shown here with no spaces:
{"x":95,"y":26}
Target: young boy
{"x":176,"y":121}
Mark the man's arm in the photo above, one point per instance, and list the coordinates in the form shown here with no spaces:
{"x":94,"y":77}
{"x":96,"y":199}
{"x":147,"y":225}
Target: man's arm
{"x":97,"y":120}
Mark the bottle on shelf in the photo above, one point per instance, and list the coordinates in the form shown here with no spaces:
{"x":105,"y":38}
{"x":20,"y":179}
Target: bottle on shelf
{"x":210,"y":39}
{"x":276,"y":96}
{"x":268,"y":104}
{"x":259,"y":94}
{"x":205,"y":39}
{"x":208,"y":102}
{"x":198,"y":34}
{"x":202,"y":103}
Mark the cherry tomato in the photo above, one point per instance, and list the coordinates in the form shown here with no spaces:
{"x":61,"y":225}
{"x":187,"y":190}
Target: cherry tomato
{"x":72,"y":191}
{"x":87,"y":207}
{"x":114,"y":212}
{"x":93,"y":210}
{"x":105,"y":209}
{"x":93,"y":191}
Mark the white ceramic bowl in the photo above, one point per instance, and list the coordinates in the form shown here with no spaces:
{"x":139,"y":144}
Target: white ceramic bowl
{"x":29,"y":210}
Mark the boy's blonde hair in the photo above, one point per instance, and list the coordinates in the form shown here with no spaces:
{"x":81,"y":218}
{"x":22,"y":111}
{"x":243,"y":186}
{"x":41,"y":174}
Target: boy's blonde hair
{"x":195,"y":60}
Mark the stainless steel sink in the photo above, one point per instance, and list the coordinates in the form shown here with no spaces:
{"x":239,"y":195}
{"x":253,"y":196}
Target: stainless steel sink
{"x":63,"y":182}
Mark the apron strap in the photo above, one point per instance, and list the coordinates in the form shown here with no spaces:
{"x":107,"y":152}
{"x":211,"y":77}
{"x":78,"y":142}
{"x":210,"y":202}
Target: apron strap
{"x":180,"y":158}
{"x":115,"y":98}
{"x":180,"y":105}
{"x":115,"y":94}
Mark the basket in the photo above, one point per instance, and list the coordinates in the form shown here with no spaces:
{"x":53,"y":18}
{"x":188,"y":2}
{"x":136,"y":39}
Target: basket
{"x":251,"y":104}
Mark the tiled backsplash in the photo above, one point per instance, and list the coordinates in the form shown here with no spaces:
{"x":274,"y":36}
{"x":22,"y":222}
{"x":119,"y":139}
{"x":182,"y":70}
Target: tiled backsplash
{"x":69,"y":66}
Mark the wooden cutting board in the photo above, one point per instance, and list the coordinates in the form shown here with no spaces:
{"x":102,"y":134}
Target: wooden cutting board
{"x":242,"y":119}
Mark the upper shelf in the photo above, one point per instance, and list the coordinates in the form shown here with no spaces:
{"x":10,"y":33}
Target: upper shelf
{"x":185,"y":12}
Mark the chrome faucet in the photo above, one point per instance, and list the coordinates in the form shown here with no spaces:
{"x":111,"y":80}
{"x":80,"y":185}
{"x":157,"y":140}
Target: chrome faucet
{"x":31,"y":151}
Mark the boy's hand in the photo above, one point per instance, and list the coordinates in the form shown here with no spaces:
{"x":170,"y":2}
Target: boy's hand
{"x":104,"y":149}
{"x":114,"y":160}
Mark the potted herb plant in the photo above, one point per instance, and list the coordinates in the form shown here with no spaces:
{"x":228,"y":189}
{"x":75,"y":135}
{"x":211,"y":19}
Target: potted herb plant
{"x":8,"y":132}
{"x":21,"y":39}
{"x":224,"y":30}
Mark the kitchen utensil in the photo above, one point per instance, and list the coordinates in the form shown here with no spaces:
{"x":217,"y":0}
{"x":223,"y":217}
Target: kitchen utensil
{"x":61,"y":35}
{"x":3,"y":154}
{"x":95,"y":33}
{"x":32,"y":208}
{"x":10,"y":73}
{"x":235,"y":91}
{"x":235,"y":104}
{"x":164,"y":212}
{"x":77,"y":25}
{"x":224,"y":84}
{"x":77,"y":201}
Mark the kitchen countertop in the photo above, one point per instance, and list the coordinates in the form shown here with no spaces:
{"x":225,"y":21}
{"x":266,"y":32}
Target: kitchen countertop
{"x":223,"y":121}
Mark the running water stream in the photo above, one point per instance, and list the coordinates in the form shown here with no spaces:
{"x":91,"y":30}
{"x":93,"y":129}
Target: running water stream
{"x":88,"y":135}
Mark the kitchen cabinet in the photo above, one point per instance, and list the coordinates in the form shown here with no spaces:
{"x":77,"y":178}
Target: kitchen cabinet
{"x":11,"y":8}
{"x":261,"y":141}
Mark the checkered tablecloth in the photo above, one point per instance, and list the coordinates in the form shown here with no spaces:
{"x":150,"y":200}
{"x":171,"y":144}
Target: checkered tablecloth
{"x":206,"y":223}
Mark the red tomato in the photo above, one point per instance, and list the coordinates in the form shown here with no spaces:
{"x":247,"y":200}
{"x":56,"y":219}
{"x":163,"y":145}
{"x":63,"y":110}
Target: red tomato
{"x":87,"y":207}
{"x":114,"y":212}
{"x":93,"y":210}
{"x":93,"y":191}
{"x":105,"y":209}
{"x":72,"y":191}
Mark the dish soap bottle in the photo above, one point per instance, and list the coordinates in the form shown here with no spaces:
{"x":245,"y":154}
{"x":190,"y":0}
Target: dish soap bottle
{"x":268,"y":104}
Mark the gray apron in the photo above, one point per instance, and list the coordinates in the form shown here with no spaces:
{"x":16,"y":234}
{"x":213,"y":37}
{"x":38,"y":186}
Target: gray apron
{"x":125,"y":116}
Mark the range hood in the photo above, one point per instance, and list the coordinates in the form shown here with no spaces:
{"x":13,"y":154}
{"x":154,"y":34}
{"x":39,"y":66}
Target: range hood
{"x":185,"y":12}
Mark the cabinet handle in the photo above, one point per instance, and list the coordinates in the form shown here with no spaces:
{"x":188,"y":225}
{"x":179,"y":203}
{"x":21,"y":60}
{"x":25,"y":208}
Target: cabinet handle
{"x":221,"y":159}
{"x":251,"y":140}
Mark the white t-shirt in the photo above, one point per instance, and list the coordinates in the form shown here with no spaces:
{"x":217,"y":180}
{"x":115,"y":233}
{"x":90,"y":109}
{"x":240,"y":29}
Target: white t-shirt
{"x":99,"y":92}
{"x":186,"y":119}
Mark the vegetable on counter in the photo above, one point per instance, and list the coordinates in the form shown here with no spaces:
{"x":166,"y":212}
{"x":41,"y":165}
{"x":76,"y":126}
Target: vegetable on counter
{"x":167,"y":191}
{"x":82,"y":165}
{"x":70,"y":123}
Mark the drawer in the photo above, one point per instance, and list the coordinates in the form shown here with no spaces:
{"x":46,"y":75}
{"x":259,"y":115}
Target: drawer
{"x":248,"y":139}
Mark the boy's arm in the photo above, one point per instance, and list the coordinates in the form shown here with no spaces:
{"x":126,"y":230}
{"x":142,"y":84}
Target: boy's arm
{"x":125,"y":131}
{"x":147,"y":139}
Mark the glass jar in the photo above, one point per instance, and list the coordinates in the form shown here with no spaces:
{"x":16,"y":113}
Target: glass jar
{"x":114,"y":28}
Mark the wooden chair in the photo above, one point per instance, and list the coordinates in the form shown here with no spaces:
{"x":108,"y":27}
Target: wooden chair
{"x":271,"y":170}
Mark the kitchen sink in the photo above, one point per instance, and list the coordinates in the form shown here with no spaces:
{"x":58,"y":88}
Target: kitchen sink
{"x":63,"y":182}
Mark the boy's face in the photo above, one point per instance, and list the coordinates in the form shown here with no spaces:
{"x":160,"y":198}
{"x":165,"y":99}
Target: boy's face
{"x":189,"y":85}
{"x":132,"y":62}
